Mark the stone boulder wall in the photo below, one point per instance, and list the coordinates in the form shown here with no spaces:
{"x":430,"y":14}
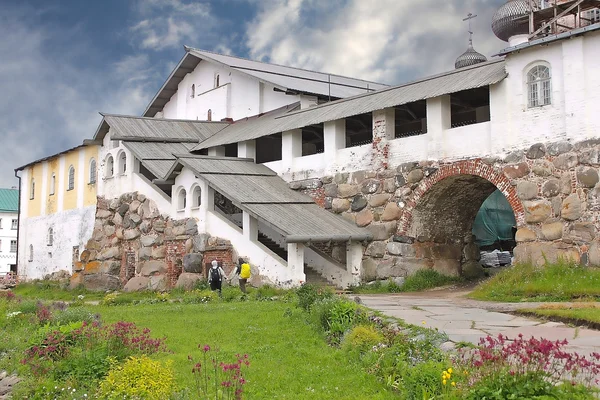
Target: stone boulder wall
{"x":556,"y":185}
{"x":133,"y":247}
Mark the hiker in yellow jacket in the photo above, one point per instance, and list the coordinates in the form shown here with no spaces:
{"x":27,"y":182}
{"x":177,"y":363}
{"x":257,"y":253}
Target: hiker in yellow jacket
{"x":243,"y":270}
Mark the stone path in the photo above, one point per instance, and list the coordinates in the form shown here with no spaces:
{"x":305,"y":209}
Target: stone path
{"x":6,"y":384}
{"x":469,"y":320}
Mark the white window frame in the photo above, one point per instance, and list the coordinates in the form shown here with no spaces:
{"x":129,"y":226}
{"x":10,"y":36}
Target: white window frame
{"x":110,"y":166}
{"x":196,"y":197}
{"x":13,"y":246}
{"x":93,"y":170}
{"x":14,"y":224}
{"x":122,"y":163}
{"x":538,"y":80}
{"x":181,"y":199}
{"x":71,"y":179}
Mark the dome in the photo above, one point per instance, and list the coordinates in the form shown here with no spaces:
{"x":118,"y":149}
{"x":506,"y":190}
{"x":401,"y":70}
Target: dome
{"x":469,"y":57}
{"x":511,"y":19}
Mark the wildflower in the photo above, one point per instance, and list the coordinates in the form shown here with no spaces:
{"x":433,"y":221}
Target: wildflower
{"x":423,"y":322}
{"x":449,"y":370}
{"x":80,"y":297}
{"x":444,"y":381}
{"x":453,"y":383}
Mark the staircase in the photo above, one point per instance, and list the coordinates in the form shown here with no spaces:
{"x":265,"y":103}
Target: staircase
{"x":273,"y":246}
{"x":315,"y":278}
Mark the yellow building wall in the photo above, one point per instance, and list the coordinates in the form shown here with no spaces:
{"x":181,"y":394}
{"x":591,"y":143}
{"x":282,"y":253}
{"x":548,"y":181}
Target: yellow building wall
{"x":34,"y":208}
{"x":90,"y":190}
{"x":70,"y":196}
{"x":52,"y":199}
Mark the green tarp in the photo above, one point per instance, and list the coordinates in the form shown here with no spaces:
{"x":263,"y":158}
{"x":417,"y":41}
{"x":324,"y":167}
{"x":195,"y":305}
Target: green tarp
{"x":494,"y":221}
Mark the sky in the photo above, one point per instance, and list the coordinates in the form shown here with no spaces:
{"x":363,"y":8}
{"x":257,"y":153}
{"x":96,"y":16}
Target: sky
{"x":64,"y":61}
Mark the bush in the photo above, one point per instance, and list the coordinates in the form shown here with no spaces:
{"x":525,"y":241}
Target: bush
{"x":138,"y":378}
{"x":309,"y":294}
{"x":73,"y":315}
{"x":362,"y":338}
{"x":337,"y":315}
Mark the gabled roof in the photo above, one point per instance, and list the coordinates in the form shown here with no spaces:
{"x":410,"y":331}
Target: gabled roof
{"x":9,"y":200}
{"x":483,"y":74}
{"x":286,"y":79}
{"x":259,"y":191}
{"x":127,"y":127}
{"x":51,"y":156}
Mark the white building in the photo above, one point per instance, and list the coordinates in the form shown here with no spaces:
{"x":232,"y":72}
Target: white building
{"x":9,"y":213}
{"x":406,"y":167}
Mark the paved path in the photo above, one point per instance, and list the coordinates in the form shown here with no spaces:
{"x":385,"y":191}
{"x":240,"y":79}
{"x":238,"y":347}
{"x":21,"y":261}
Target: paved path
{"x":469,"y":320}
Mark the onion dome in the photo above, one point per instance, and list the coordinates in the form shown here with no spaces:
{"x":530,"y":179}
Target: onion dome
{"x":469,"y":57}
{"x":511,"y":19}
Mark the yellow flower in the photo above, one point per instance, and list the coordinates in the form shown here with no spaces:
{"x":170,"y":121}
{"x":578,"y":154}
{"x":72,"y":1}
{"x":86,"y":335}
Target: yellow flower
{"x":453,"y":383}
{"x":444,"y":381}
{"x":423,"y":322}
{"x":466,"y":373}
{"x":449,"y":370}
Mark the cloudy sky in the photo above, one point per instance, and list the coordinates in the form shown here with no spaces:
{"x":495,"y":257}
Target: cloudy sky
{"x":63,"y":61}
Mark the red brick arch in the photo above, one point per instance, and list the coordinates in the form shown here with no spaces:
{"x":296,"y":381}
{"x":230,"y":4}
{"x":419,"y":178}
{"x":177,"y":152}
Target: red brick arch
{"x":474,"y":167}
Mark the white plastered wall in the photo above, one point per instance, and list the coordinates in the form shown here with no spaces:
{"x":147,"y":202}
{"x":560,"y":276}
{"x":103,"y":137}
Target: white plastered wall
{"x":7,"y":234}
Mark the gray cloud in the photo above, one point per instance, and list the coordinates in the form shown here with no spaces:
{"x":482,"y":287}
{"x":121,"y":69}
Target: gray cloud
{"x":384,"y":40}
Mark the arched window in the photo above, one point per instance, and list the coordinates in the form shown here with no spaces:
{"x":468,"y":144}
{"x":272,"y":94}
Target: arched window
{"x":92,"y":171}
{"x":52,"y":184}
{"x":196,"y":197}
{"x":181,"y":200}
{"x":50,"y":237}
{"x":209,"y":115}
{"x":539,"y":86}
{"x":110,"y":166}
{"x":193,"y":91}
{"x":32,"y":189}
{"x":122,"y":163}
{"x":30,"y":252}
{"x":71,"y":178}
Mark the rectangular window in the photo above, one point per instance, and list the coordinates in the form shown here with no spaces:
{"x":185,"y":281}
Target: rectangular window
{"x":15,"y":224}
{"x":13,"y":246}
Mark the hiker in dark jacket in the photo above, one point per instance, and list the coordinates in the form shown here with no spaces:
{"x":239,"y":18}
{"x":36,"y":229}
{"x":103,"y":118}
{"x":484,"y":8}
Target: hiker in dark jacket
{"x":215,"y":276}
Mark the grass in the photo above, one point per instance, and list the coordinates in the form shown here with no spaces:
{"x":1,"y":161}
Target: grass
{"x":561,"y":281}
{"x":289,"y":358}
{"x":422,"y":280}
{"x":579,"y":313}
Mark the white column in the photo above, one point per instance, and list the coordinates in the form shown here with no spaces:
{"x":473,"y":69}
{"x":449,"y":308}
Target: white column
{"x":438,"y":120}
{"x":334,"y":133}
{"x":250,"y":225}
{"x":354,"y":253}
{"x":208,"y":198}
{"x":291,"y":147}
{"x":384,"y":124}
{"x":296,"y":263}
{"x":247,"y":149}
{"x":218,"y":151}
{"x":577,"y":109}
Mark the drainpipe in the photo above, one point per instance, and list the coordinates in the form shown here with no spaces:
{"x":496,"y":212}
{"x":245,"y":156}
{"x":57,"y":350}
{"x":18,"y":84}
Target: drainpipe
{"x":18,"y":223}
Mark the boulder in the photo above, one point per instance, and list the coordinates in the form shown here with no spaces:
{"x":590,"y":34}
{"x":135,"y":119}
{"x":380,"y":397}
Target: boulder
{"x":133,"y":207}
{"x":370,"y":186}
{"x":555,"y":149}
{"x":587,"y":177}
{"x":537,"y":150}
{"x":153,"y":268}
{"x":145,"y":253}
{"x":369,"y":270}
{"x":527,"y":190}
{"x":415,"y":176}
{"x":391,"y":213}
{"x":135,"y":219}
{"x":188,"y":281}
{"x":110,"y":267}
{"x":406,"y":167}
{"x":515,"y":171}
{"x":159,"y":226}
{"x":101,"y":282}
{"x":540,"y":252}
{"x":358,"y":203}
{"x":472,"y":270}
{"x":376,"y":249}
{"x":330,"y":190}
{"x":159,"y":252}
{"x":593,"y":255}
{"x":101,"y":214}
{"x":581,"y":232}
{"x":340,"y":205}
{"x":137,"y":284}
{"x":76,"y":280}
{"x":593,"y":199}
{"x":400,"y":181}
{"x":471,"y":252}
{"x":447,"y":267}
{"x":364,"y":218}
{"x":566,"y":161}
{"x":571,"y":208}
{"x":345,"y":190}
{"x":542,"y":168}
{"x":401,"y":249}
{"x":383,"y":231}
{"x":159,"y":283}
{"x":590,"y":157}
{"x":131,"y":234}
{"x":552,"y":231}
{"x":525,"y":235}
{"x":123,"y":208}
{"x":389,"y":185}
{"x":108,"y":253}
{"x":148,"y":240}
{"x":537,"y":211}
{"x":191,"y":227}
{"x":551,"y":188}
{"x":377,"y":200}
{"x":193,"y":263}
{"x":514,"y":157}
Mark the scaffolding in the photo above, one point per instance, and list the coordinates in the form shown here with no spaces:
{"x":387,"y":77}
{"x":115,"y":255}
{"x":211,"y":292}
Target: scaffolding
{"x":550,"y":17}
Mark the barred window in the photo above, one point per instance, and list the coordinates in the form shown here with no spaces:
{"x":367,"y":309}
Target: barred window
{"x":539,"y":86}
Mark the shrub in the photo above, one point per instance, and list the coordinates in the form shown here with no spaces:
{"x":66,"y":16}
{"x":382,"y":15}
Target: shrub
{"x":309,"y":294}
{"x":337,"y":315}
{"x":138,"y":378}
{"x":73,"y":315}
{"x":363,"y":338}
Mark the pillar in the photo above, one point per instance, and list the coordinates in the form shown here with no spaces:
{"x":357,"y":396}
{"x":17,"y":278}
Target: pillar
{"x":354,"y":254}
{"x":384,"y":124}
{"x":438,"y":120}
{"x":334,"y":133}
{"x":218,"y":151}
{"x":250,"y":226}
{"x":296,"y":263}
{"x":291,"y":147}
{"x":247,"y":149}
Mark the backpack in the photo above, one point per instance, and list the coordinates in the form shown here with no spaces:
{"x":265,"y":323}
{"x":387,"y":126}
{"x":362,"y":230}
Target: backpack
{"x":245,"y":271}
{"x":215,"y":275}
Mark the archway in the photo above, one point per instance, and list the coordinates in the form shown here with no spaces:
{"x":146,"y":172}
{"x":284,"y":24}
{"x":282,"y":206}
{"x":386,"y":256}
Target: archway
{"x":438,"y":219}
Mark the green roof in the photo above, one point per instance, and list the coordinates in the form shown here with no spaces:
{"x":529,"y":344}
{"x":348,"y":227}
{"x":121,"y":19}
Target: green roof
{"x":9,"y":200}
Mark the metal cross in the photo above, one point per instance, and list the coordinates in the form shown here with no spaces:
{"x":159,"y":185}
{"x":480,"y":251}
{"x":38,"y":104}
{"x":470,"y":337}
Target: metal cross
{"x":470,"y":16}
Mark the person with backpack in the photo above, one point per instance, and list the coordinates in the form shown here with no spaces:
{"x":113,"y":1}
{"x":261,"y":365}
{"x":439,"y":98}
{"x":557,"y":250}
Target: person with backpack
{"x":243,"y":270}
{"x":215,"y":276}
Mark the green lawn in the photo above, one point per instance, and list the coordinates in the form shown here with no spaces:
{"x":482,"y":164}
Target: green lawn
{"x":289,"y":359}
{"x":577,"y":314}
{"x":552,"y":282}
